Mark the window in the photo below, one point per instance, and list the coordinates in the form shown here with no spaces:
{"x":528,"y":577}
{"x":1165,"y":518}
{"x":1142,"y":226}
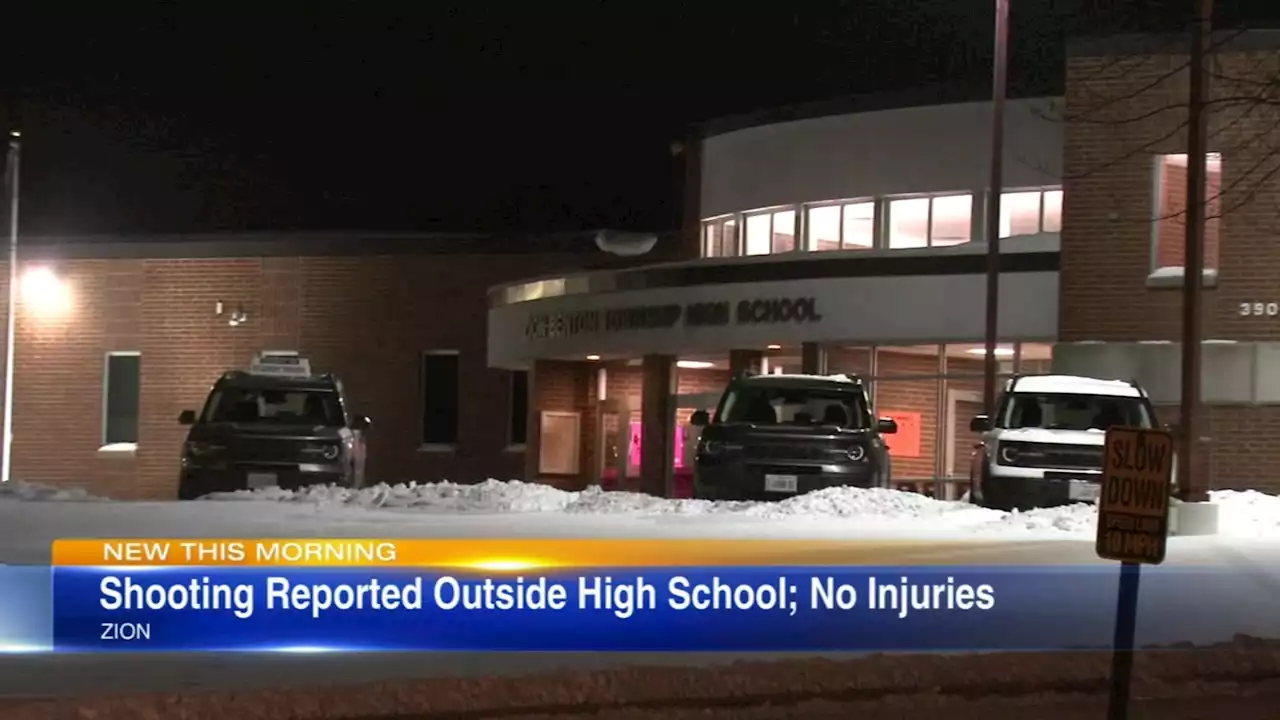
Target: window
{"x":518,"y":423}
{"x":1073,"y":412}
{"x":930,"y":222}
{"x":770,"y":232}
{"x":720,"y":238}
{"x":952,"y":220}
{"x":784,"y":232}
{"x":1028,"y":212}
{"x":823,"y":228}
{"x":766,"y":405}
{"x":439,"y":398}
{"x":281,"y":405}
{"x":122,"y":388}
{"x":909,"y":223}
{"x":848,"y":226}
{"x":1171,"y":211}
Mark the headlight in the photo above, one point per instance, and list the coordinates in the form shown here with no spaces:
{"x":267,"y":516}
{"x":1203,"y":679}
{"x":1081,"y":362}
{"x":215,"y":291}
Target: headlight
{"x":1008,"y":453}
{"x":711,"y":447}
{"x":857,"y":453}
{"x":202,"y":449}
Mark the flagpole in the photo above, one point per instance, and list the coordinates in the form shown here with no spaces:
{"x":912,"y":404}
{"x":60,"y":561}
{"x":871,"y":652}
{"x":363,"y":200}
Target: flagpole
{"x":6,"y":462}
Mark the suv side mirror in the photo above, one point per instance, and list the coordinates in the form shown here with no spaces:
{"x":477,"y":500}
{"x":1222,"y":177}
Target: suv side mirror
{"x":187,"y":417}
{"x":887,"y":426}
{"x":700,"y":418}
{"x":980,"y":423}
{"x":361,"y":422}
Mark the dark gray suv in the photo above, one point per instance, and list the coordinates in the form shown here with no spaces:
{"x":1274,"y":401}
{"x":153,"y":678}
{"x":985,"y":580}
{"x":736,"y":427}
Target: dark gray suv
{"x":777,"y":436}
{"x":279,"y":427}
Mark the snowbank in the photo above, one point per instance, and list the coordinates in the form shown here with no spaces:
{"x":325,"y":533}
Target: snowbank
{"x":1248,"y":514}
{"x":35,"y":492}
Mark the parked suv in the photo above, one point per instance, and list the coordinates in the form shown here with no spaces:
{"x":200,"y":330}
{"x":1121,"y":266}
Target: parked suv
{"x":1045,"y":446}
{"x":277,"y":425}
{"x":776,"y":436}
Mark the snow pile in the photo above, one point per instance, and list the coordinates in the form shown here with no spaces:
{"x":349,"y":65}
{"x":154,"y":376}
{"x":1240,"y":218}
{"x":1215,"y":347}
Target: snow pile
{"x":1080,"y":519}
{"x":1243,"y":514}
{"x":490,"y":496}
{"x":1247,"y":513}
{"x":35,"y":492}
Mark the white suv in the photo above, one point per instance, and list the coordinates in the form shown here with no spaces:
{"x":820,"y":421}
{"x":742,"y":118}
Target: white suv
{"x":1045,"y":445}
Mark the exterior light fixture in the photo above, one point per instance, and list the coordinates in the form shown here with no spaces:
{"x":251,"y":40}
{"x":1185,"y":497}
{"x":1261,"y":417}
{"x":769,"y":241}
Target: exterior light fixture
{"x":593,"y":358}
{"x":694,"y":364}
{"x":44,"y":293}
{"x":773,"y":347}
{"x":1000,"y":352}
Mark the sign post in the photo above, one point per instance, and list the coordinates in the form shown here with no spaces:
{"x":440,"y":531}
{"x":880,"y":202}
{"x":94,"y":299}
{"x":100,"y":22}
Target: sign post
{"x":1133,"y":528}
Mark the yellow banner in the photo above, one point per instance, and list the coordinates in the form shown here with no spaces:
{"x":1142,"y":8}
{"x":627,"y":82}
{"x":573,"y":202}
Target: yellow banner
{"x":498,"y":555}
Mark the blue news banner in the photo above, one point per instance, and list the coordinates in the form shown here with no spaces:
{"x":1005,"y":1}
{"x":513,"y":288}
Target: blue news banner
{"x":745,"y":609}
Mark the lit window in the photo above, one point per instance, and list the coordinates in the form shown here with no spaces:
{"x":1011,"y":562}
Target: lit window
{"x":784,"y":232}
{"x":711,"y":240}
{"x":720,"y":238}
{"x":909,"y":223}
{"x":1052,"y":211}
{"x":1171,"y":211}
{"x":850,"y":226}
{"x":859,"y":225}
{"x":1019,"y":213}
{"x":823,"y":228}
{"x":729,"y":238}
{"x":759,"y":228}
{"x":952,"y":220}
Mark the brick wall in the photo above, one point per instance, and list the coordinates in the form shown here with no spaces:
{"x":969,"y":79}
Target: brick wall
{"x":1126,"y":114}
{"x":367,"y":319}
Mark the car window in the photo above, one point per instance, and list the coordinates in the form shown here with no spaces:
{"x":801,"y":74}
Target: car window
{"x":1073,"y":412}
{"x":298,"y":406}
{"x":763,"y":405}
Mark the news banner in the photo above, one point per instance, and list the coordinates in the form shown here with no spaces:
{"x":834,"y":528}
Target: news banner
{"x":576,"y":595}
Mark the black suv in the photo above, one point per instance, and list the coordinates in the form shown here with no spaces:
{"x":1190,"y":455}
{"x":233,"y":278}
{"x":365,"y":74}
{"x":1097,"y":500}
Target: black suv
{"x":275,"y":426}
{"x":776,"y":436}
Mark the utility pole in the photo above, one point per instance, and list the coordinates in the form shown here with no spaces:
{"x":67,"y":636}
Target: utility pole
{"x":1190,"y":488}
{"x":11,"y":172}
{"x":996,"y":187}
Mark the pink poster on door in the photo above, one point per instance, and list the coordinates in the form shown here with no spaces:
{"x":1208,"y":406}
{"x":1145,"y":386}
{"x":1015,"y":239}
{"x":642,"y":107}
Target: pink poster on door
{"x":633,"y":455}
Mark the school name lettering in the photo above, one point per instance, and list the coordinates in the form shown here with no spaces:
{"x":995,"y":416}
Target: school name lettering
{"x":764,"y":311}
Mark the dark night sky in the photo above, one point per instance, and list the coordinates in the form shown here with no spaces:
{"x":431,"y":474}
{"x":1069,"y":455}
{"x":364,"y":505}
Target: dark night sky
{"x":546,"y":116}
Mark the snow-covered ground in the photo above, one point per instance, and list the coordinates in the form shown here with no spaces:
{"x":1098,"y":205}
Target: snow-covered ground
{"x":32,"y":516}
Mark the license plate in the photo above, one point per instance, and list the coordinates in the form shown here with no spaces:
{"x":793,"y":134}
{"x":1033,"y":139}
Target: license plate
{"x":1082,"y":490}
{"x":781,"y":483}
{"x":261,"y":480}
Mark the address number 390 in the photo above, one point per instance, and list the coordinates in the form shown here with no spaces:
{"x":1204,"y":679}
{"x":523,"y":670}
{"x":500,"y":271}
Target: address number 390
{"x":1257,"y":309}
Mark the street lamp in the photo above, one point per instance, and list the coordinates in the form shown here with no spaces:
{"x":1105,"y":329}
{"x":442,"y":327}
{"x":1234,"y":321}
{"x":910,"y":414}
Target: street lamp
{"x":11,"y":174}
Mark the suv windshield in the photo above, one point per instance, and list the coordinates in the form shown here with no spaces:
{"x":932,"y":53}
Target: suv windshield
{"x":285,"y":405}
{"x":764,"y":405}
{"x":1073,"y":412}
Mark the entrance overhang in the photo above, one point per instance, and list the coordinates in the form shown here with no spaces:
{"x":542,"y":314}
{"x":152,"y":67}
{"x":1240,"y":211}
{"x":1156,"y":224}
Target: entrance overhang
{"x":890,"y":297}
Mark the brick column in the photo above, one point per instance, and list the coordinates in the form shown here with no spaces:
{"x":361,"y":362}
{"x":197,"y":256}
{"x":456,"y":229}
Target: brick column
{"x":743,"y":361}
{"x":813,"y":359}
{"x":657,"y":425}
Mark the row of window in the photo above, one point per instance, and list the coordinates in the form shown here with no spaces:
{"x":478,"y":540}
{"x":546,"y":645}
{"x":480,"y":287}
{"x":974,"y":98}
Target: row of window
{"x":948,"y":219}
{"x":439,"y":395}
{"x":893,"y":223}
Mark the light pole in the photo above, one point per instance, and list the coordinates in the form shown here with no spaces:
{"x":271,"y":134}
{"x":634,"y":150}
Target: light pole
{"x":1191,"y":487}
{"x":996,"y":187}
{"x":15,"y":146}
